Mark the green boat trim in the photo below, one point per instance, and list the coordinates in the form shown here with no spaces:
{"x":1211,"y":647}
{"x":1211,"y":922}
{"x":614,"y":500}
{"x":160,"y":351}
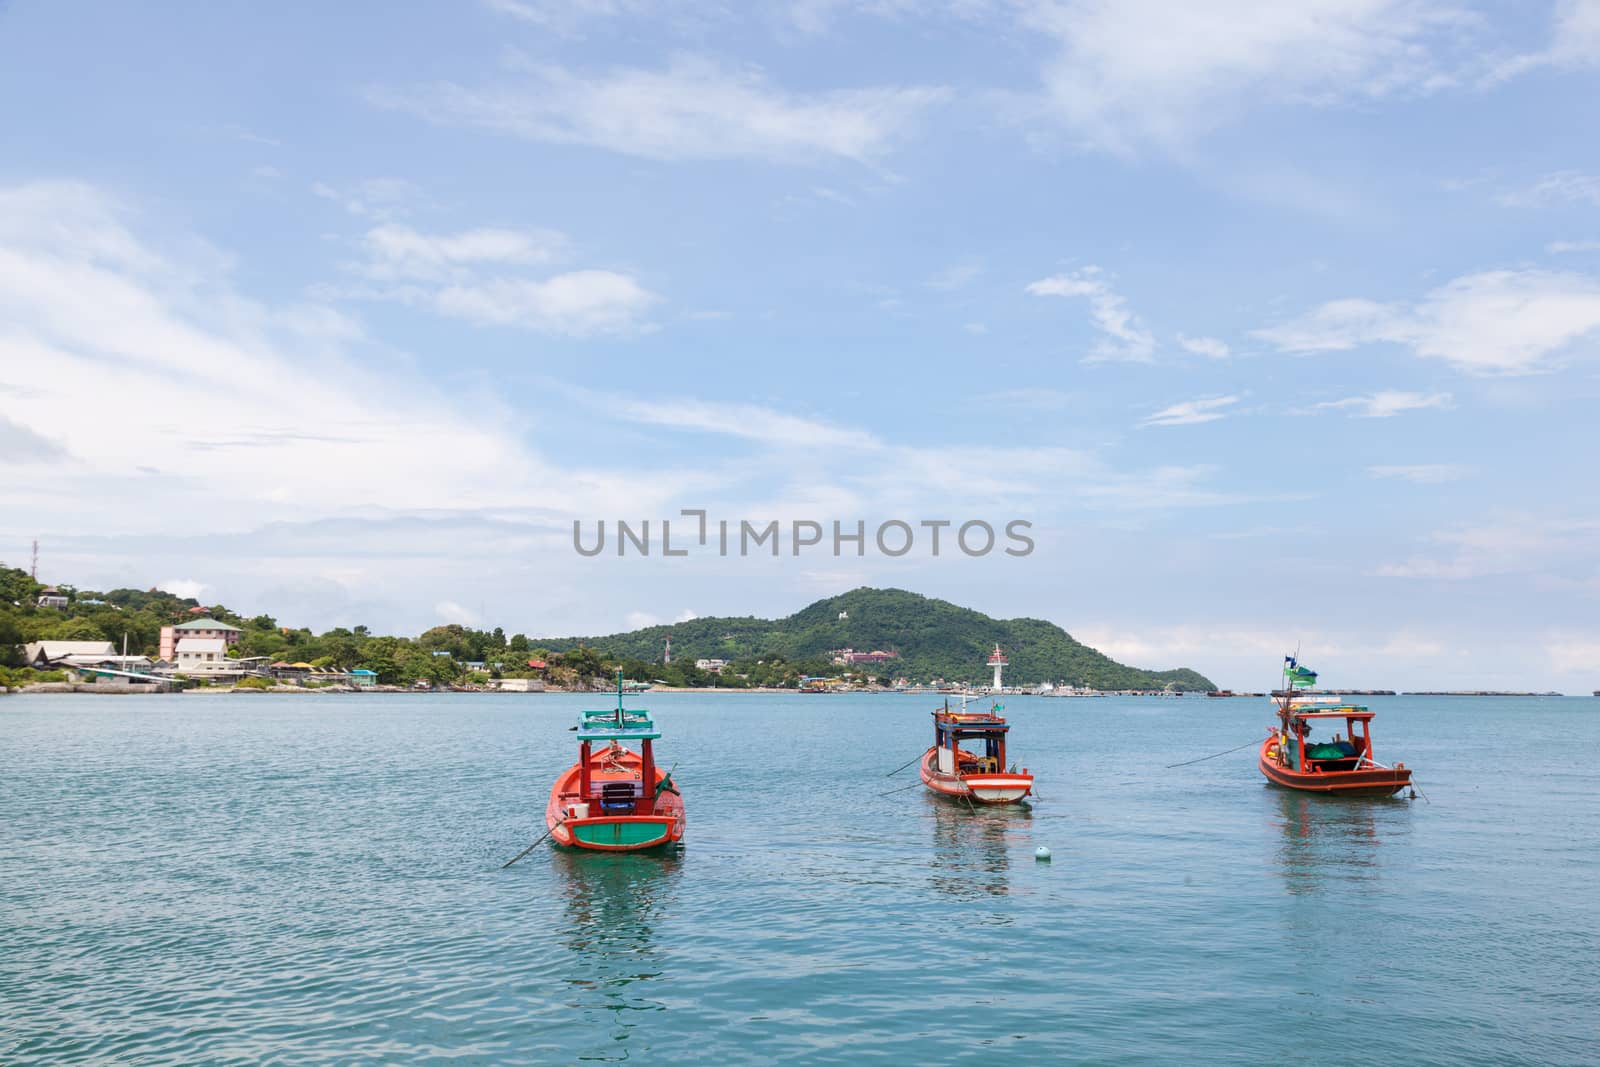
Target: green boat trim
{"x":622,"y":833}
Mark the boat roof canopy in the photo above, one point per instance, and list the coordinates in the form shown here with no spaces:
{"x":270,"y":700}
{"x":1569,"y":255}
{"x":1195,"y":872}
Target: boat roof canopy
{"x":1349,"y":711}
{"x":970,"y":724}
{"x":636,"y":725}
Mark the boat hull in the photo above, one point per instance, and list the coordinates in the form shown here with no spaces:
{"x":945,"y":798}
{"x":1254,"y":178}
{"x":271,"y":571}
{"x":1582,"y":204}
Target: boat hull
{"x":657,"y":820}
{"x":1371,"y":782}
{"x":978,"y":788}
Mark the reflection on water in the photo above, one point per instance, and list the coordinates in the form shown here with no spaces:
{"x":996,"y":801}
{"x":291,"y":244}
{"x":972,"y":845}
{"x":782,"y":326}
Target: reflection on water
{"x":1327,"y":840}
{"x":972,"y":847}
{"x":612,"y":903}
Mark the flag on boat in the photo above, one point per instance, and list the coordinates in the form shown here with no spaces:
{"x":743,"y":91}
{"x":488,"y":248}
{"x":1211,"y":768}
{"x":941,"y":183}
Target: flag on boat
{"x":1298,"y":676}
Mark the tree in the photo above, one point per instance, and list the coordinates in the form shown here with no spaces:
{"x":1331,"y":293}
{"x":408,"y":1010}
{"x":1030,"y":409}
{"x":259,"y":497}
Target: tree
{"x":519,"y":644}
{"x":75,"y":630}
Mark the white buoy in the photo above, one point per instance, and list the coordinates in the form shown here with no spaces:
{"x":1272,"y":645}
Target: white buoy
{"x":1041,"y":853}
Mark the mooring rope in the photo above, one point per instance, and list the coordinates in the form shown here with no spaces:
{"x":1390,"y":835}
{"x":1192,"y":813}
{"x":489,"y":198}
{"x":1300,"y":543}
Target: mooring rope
{"x":1213,"y":755}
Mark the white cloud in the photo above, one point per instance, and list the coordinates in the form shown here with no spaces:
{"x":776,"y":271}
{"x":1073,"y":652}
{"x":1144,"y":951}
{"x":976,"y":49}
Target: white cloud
{"x":1559,"y":247}
{"x":1513,"y":545}
{"x":1422,"y":473}
{"x":564,"y":16}
{"x":956,"y":276}
{"x":183,"y":587}
{"x":445,"y":273}
{"x":638,"y":620}
{"x":193,"y":405}
{"x":685,"y":615}
{"x":580,"y":304}
{"x":374,"y":198}
{"x":1161,"y":72}
{"x":1574,"y":43}
{"x":1562,"y":187}
{"x":1190,"y":412}
{"x":1209,"y":347}
{"x":450,"y":611}
{"x":693,"y":109}
{"x":1496,"y":322}
{"x":396,"y":252}
{"x":749,"y":421}
{"x":1383,"y":404}
{"x":1127,"y":339}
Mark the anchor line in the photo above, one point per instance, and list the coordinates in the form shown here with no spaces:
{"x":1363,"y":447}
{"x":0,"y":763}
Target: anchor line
{"x":1213,"y":755}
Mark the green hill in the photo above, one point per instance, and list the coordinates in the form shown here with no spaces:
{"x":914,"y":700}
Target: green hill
{"x":935,"y":639}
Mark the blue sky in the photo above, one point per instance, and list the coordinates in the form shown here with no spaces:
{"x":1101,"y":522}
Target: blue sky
{"x":1279,"y":325}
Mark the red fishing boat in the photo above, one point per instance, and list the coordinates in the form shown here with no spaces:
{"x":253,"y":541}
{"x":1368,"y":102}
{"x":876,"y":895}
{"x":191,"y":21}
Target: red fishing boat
{"x":1292,"y":757}
{"x":953,"y":771}
{"x":614,"y":799}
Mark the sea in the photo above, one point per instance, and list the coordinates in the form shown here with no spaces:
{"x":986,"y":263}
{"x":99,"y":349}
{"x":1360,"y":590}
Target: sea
{"x":316,"y":879}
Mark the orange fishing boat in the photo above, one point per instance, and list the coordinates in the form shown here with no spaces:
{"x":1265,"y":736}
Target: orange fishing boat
{"x":952,"y":771}
{"x":1343,"y":766}
{"x":614,"y":799}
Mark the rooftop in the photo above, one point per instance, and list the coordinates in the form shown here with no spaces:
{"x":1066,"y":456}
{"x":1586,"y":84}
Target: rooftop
{"x":206,"y":624}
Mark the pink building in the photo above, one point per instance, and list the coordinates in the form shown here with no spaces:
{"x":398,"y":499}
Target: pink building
{"x":205,"y":629}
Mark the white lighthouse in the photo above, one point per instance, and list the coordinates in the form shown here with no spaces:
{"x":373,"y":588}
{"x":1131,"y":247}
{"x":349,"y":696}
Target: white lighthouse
{"x":998,"y":661}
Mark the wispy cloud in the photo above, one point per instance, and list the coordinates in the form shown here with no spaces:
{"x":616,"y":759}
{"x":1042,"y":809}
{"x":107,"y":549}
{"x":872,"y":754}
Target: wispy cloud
{"x":1190,"y":412}
{"x":1561,"y":247}
{"x":1383,"y":404}
{"x":372,"y":198}
{"x":1422,"y":473}
{"x":449,"y":274}
{"x":1513,"y":545}
{"x":957,"y":276}
{"x":1209,"y":347}
{"x":1151,"y":72}
{"x":125,"y":325}
{"x":1496,"y":322}
{"x":565,"y":16}
{"x":1562,"y":187}
{"x":1574,"y":43}
{"x":692,"y":109}
{"x":399,"y":253}
{"x":1127,"y":339}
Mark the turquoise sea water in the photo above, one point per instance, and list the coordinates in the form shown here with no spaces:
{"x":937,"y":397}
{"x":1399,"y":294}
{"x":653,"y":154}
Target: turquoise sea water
{"x":245,"y":879}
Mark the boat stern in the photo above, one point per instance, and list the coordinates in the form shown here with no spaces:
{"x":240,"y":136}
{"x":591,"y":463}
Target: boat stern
{"x":620,"y":833}
{"x":998,"y":788}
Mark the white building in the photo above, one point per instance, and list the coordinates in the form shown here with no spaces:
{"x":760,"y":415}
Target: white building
{"x":43,"y":653}
{"x":196,"y":653}
{"x":713,"y":665}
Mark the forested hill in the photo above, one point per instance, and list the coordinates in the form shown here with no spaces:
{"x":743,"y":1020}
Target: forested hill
{"x":935,"y":639}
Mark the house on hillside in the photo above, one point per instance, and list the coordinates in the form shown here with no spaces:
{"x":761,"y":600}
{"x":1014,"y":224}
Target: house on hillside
{"x":206,"y":629}
{"x":51,"y":597}
{"x":197,"y":653}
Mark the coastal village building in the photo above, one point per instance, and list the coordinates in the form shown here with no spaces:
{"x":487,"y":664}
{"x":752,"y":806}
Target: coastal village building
{"x":195,"y":653}
{"x":51,"y":597}
{"x":40,"y":654}
{"x":81,"y":656}
{"x":205,"y":629}
{"x":713,"y":666}
{"x":851,"y":658}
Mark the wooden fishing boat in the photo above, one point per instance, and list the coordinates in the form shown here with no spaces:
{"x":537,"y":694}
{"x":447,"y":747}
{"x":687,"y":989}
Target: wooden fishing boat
{"x":1343,"y":766}
{"x":953,"y":771}
{"x":614,"y":799}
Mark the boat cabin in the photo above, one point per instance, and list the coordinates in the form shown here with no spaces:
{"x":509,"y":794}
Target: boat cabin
{"x":951,"y":728}
{"x":1308,"y":753}
{"x":612,"y":780}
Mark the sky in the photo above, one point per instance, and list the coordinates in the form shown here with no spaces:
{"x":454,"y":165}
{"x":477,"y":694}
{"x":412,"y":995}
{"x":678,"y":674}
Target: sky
{"x":1279,"y":325}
